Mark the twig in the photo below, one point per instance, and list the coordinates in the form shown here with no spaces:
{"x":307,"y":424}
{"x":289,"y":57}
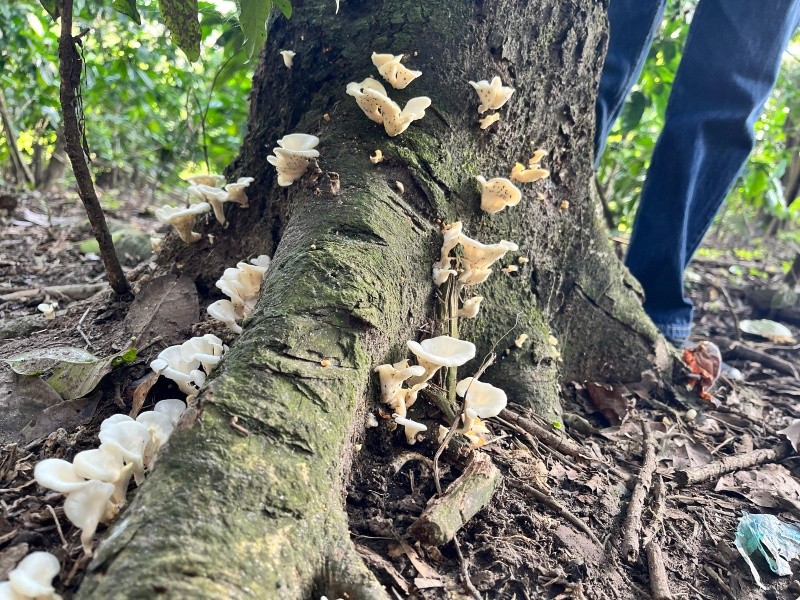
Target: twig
{"x":720,"y":582}
{"x":730,"y":464}
{"x":465,"y":572}
{"x":70,"y":64}
{"x":79,"y":330}
{"x":659,"y":584}
{"x":737,"y":350}
{"x":629,"y":549}
{"x":64,"y":544}
{"x":553,"y":440}
{"x":78,"y":291}
{"x":556,"y":507}
{"x":659,"y":500}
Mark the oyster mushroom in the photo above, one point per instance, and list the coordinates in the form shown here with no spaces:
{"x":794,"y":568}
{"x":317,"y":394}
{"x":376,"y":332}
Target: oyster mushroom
{"x":492,"y":94}
{"x":497,"y":193}
{"x":183,"y":219}
{"x":292,"y":156}
{"x":437,"y":352}
{"x":393,"y":71}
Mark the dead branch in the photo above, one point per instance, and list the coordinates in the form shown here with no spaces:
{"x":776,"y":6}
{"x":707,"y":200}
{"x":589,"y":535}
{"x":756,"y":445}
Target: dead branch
{"x":77,"y":291}
{"x":730,"y":464}
{"x":659,"y":584}
{"x":629,"y":549}
{"x":467,"y":495}
{"x":737,"y":350}
{"x":550,"y":439}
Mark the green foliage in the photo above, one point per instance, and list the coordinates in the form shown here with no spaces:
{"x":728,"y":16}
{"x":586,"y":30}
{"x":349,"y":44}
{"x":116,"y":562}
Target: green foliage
{"x":149,"y":111}
{"x":180,"y":16}
{"x":253,"y":16}
{"x":759,"y":190}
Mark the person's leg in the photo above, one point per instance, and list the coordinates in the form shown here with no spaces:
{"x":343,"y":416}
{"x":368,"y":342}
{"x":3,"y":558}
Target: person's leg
{"x":728,"y":68}
{"x":631,"y":25}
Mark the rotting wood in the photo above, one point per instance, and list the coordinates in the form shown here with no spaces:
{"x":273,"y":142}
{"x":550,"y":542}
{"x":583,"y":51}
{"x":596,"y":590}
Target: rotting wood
{"x":467,"y":495}
{"x":555,"y":506}
{"x":629,"y":549}
{"x":550,"y":439}
{"x":729,"y":464}
{"x":659,"y":584}
{"x":75,"y":291}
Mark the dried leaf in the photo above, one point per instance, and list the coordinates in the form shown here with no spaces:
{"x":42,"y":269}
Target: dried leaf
{"x":792,"y":433}
{"x":167,"y":307}
{"x":705,"y":362}
{"x":770,"y":486}
{"x":68,"y":415}
{"x":140,"y":392}
{"x":771,"y":330}
{"x":609,"y":402}
{"x":685,"y":454}
{"x":71,"y":372}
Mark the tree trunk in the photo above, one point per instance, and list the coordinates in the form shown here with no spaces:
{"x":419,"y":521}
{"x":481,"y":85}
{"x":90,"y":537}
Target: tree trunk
{"x":22,"y":172}
{"x":261,"y":516}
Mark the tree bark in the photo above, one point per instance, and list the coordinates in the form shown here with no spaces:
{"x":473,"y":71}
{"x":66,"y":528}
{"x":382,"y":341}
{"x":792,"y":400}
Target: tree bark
{"x":261,"y":516}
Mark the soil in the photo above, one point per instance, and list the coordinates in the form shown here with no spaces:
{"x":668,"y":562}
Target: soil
{"x":516,"y":547}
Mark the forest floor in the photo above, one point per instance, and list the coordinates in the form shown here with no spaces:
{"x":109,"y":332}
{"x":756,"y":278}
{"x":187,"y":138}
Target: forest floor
{"x":555,"y":525}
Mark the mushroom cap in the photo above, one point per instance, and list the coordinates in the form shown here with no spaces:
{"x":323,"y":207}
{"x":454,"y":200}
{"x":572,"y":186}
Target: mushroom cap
{"x":98,"y":463}
{"x":58,"y":475}
{"x":158,"y":424}
{"x":469,"y":310}
{"x":444,"y":350}
{"x":262,"y":260}
{"x":412,"y":428}
{"x":171,"y":407}
{"x":225,"y":312}
{"x":393,"y":376}
{"x":129,"y":439}
{"x":497,"y":193}
{"x":211,"y":180}
{"x":171,"y":214}
{"x":207,"y":350}
{"x":296,"y":142}
{"x":33,"y":576}
{"x":484,"y":399}
{"x":481,"y":256}
{"x":492,"y":94}
{"x":113,"y":420}
{"x":89,"y":506}
{"x":529,"y":175}
{"x":393,"y":71}
{"x":488,"y":120}
{"x":372,"y":99}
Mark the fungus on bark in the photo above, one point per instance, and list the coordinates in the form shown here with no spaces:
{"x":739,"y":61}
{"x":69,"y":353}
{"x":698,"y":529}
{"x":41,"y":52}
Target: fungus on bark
{"x":488,"y":120}
{"x":212,"y":180}
{"x":412,"y":428}
{"x":32,"y":578}
{"x":214,"y":196}
{"x":373,"y":100}
{"x":469,"y":310}
{"x":393,"y":71}
{"x":288,"y":58}
{"x":292,"y":156}
{"x":236,"y":191}
{"x":442,"y":351}
{"x":497,"y":193}
{"x":492,"y":94}
{"x":242,"y":285}
{"x":182,"y":219}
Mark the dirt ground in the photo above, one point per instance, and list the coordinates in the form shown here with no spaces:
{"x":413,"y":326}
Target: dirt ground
{"x":556,"y":523}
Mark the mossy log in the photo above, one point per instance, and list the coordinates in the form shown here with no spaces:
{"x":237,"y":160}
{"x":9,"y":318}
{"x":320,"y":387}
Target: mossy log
{"x":226,"y":515}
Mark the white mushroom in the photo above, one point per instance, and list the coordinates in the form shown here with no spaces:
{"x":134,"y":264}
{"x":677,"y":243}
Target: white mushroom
{"x":160,"y":427}
{"x":412,"y":428}
{"x":183,"y":219}
{"x":212,"y":180}
{"x":48,"y":309}
{"x":292,"y":157}
{"x":106,"y":465}
{"x":497,"y":193}
{"x":393,"y":71}
{"x":377,"y":157}
{"x":470,"y":308}
{"x":58,"y":475}
{"x":87,"y":507}
{"x":492,"y":94}
{"x":441,"y":274}
{"x":113,"y":420}
{"x":532,"y":173}
{"x":236,"y":191}
{"x":483,"y":398}
{"x":208,"y":350}
{"x":33,"y":578}
{"x":224,"y":311}
{"x":171,"y":407}
{"x":129,"y":440}
{"x":373,"y":100}
{"x":171,"y":365}
{"x":288,"y":58}
{"x":488,"y":120}
{"x":481,"y":256}
{"x":214,"y":196}
{"x":393,"y":376}
{"x":441,"y":351}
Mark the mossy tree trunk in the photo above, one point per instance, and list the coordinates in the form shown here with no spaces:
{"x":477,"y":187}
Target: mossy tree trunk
{"x":261,"y":516}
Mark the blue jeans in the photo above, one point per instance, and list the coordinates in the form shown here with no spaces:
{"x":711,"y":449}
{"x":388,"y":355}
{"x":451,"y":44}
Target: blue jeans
{"x":729,"y":66}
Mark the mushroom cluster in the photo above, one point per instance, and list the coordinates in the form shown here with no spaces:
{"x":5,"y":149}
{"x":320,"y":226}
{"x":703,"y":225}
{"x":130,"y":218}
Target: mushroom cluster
{"x":432,"y":354}
{"x":241,"y":285}
{"x":481,"y":401}
{"x":189,"y":364}
{"x":292,"y":156}
{"x":32,"y":578}
{"x":533,"y":172}
{"x":205,"y":188}
{"x":492,"y":95}
{"x":372,"y":98}
{"x":473,"y":267}
{"x":95,"y":483}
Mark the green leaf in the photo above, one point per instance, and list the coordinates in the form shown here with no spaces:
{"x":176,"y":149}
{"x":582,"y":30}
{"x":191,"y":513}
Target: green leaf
{"x":633,"y":111}
{"x":128,"y":8}
{"x":285,"y":6}
{"x":71,"y":372}
{"x":253,"y":16}
{"x":51,"y":6}
{"x":180,"y":17}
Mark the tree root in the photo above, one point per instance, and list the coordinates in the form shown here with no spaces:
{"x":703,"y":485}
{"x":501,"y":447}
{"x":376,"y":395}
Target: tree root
{"x":629,"y":549}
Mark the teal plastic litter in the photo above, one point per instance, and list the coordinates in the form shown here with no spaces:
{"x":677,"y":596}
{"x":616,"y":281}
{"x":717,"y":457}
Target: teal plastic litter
{"x":778,"y":543}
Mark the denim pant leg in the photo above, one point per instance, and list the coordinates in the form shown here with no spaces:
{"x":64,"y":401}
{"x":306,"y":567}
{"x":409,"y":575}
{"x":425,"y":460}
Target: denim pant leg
{"x":632,"y":25}
{"x":729,"y":66}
